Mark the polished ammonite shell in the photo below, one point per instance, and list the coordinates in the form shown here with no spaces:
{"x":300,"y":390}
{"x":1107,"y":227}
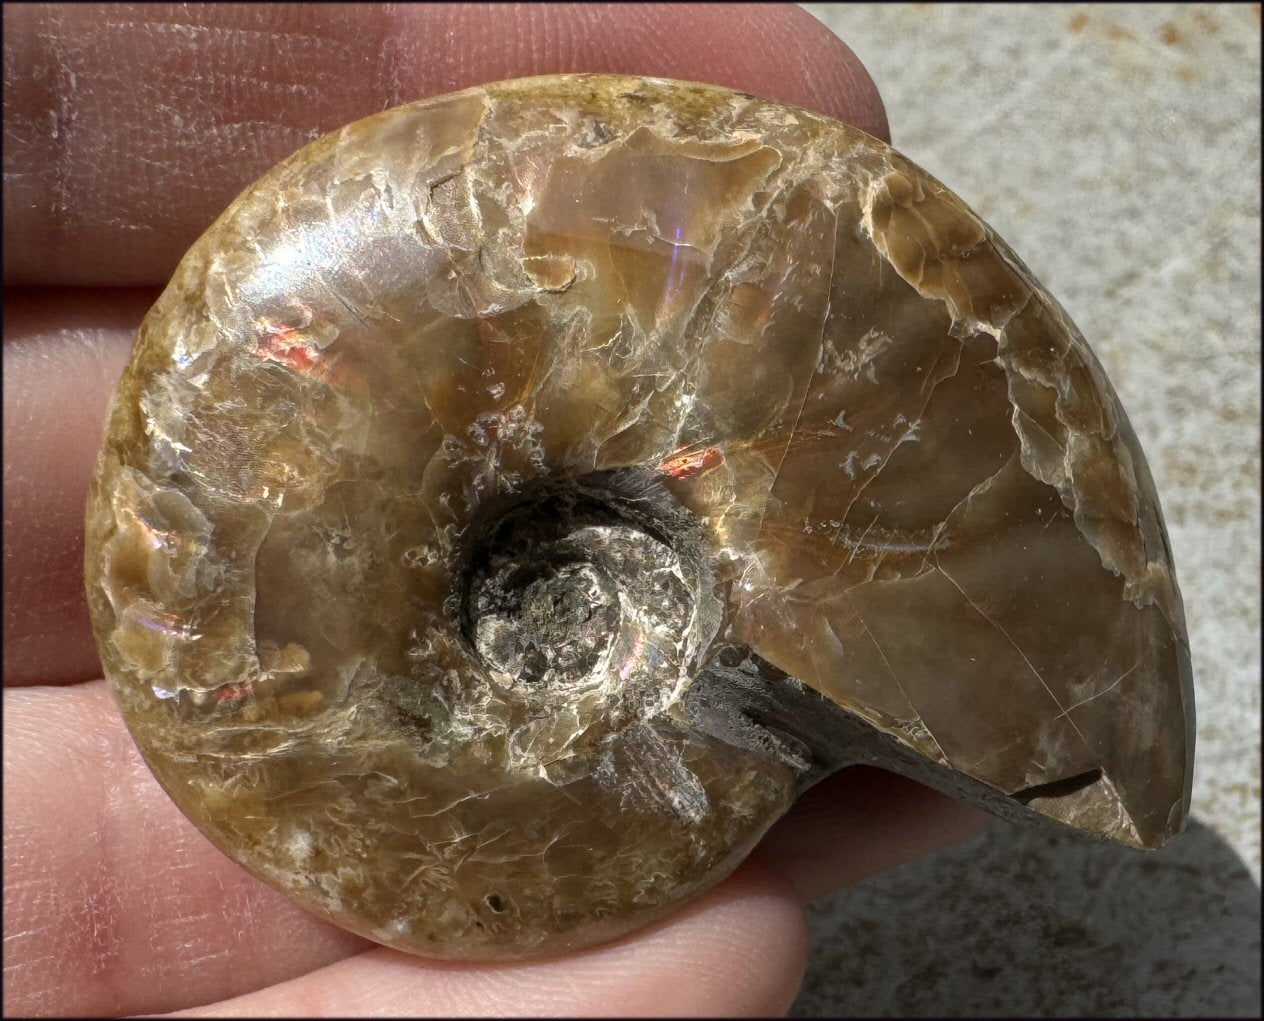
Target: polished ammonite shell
{"x":518,"y":496}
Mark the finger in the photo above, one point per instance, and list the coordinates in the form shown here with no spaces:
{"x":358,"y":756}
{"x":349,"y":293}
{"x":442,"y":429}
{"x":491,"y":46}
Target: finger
{"x":738,"y":951}
{"x":129,"y":127}
{"x":862,"y":821}
{"x":114,"y":903}
{"x":107,"y":881}
{"x":62,"y":355}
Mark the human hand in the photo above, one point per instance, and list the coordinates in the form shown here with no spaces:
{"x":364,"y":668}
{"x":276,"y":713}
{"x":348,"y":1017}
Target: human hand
{"x":128,"y":128}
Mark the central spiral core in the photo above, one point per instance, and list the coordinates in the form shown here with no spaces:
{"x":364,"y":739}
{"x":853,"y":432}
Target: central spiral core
{"x":596,"y":581}
{"x":546,"y":621}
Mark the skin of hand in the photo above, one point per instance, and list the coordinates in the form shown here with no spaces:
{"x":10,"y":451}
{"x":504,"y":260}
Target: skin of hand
{"x":127,"y":129}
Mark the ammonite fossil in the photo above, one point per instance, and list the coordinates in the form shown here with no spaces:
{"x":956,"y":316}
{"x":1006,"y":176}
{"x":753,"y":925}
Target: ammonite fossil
{"x":517,"y":497}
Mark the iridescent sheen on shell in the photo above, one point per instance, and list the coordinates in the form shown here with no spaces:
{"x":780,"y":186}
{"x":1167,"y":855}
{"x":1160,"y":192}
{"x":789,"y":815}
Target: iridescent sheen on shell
{"x":492,"y":461}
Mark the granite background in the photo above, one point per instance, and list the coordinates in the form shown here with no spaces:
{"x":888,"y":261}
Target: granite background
{"x":1117,"y":149}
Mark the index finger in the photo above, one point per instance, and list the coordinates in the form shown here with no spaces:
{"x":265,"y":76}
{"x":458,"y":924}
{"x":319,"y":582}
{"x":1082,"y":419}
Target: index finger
{"x":129,"y":127}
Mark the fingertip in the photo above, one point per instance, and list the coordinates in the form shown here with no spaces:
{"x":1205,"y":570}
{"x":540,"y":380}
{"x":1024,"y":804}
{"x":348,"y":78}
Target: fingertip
{"x":775,"y":51}
{"x":173,"y":112}
{"x":737,"y":951}
{"x":751,"y":938}
{"x":860,"y":822}
{"x":834,"y":79}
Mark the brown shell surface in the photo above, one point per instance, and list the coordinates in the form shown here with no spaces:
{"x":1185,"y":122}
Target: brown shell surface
{"x":920,"y":494}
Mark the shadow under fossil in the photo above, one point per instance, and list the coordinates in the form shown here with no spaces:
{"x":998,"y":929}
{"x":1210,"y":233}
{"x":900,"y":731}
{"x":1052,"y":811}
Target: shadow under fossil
{"x":1021,"y":923}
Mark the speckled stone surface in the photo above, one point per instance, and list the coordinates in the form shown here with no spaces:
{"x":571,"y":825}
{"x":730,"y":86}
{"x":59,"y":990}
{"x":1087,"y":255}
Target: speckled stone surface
{"x":1137,"y":128}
